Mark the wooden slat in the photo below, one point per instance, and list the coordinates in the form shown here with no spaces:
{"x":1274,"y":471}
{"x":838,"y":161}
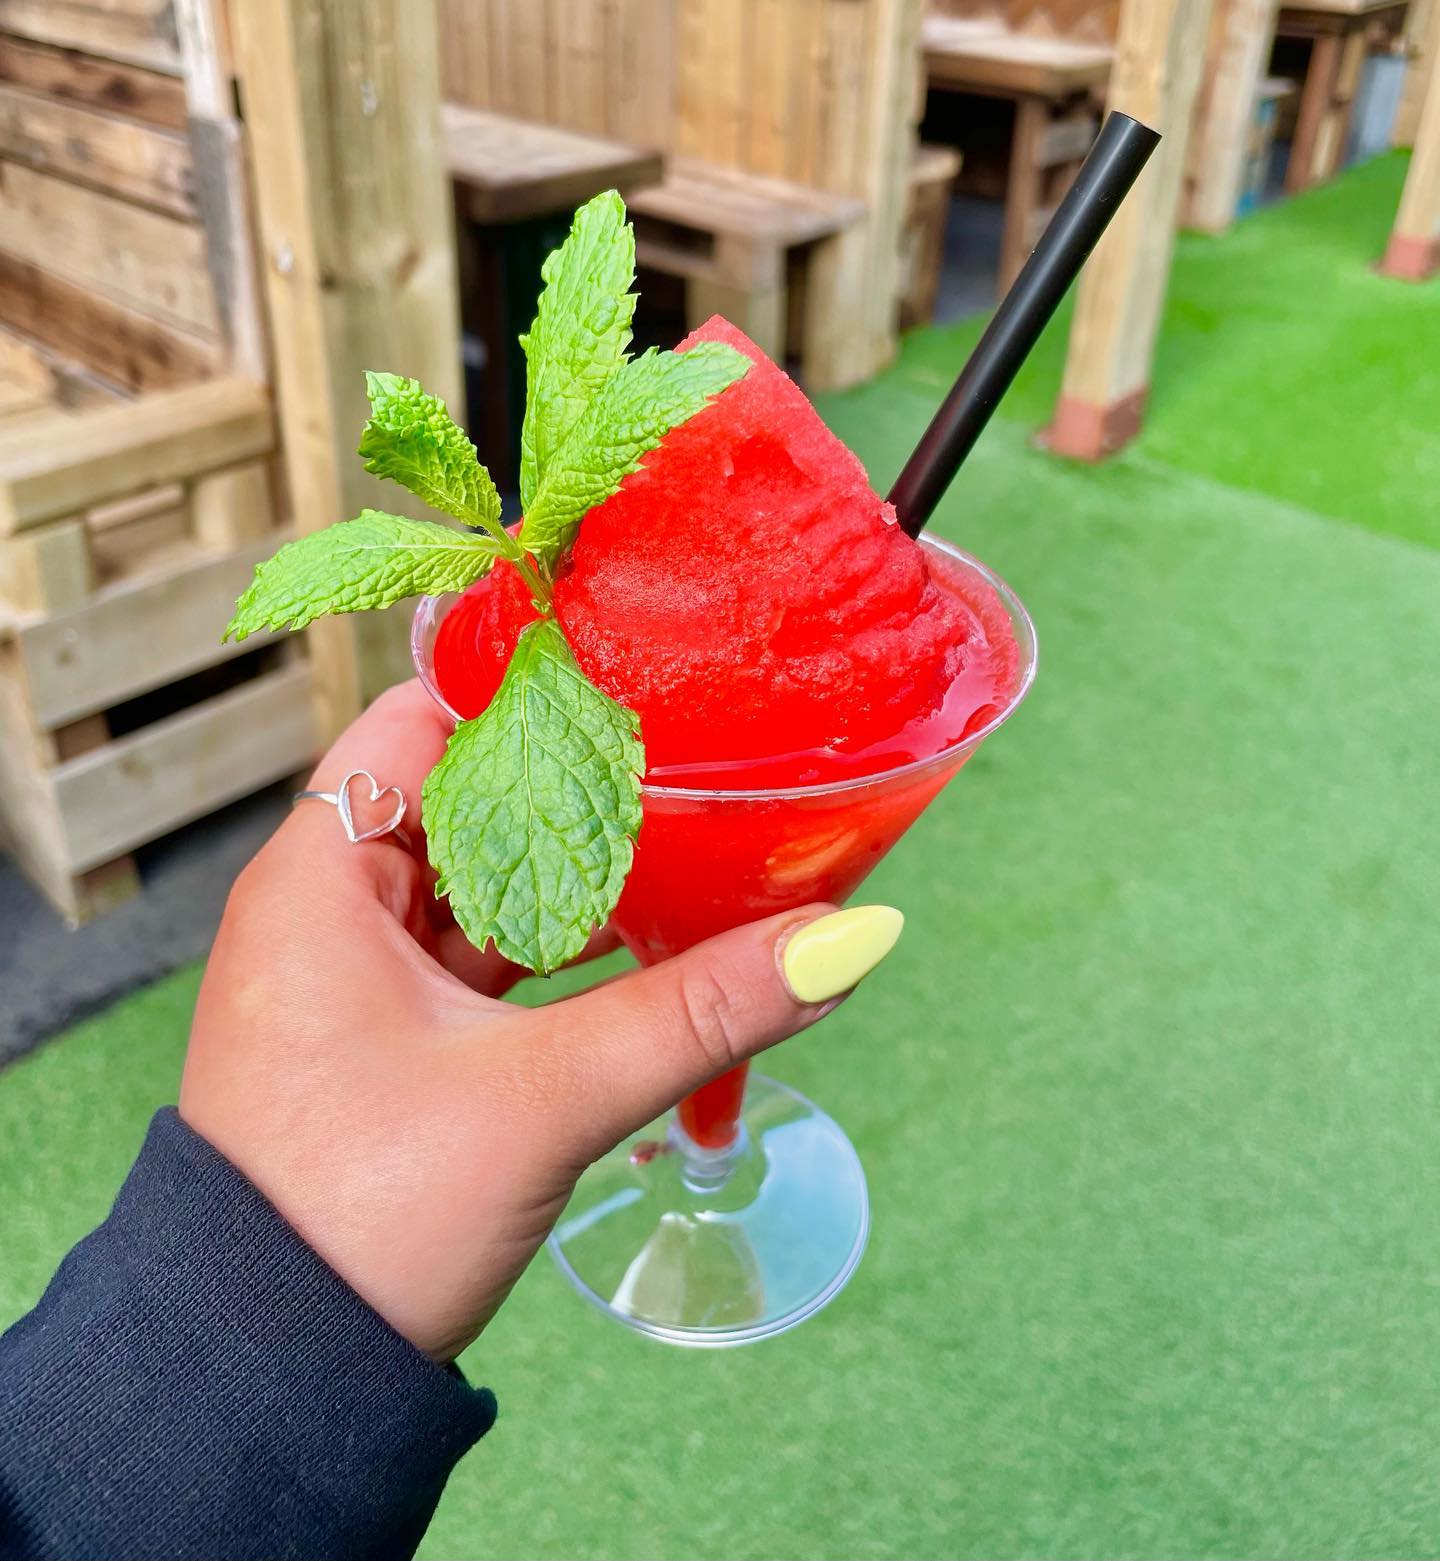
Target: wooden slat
{"x":139,"y":787}
{"x":67,"y":76}
{"x":141,"y":259}
{"x":576,"y":55}
{"x":161,"y":438}
{"x":102,"y":150}
{"x":118,"y":344}
{"x":140,"y":535}
{"x":136,"y":635}
{"x":508,"y":169}
{"x":139,"y":31}
{"x":69,"y":385}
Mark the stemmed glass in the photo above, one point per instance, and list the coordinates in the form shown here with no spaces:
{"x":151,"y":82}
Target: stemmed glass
{"x":745,"y":1210}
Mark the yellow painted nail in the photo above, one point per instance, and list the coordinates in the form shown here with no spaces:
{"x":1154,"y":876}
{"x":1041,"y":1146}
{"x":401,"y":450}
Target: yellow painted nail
{"x":829,"y":956}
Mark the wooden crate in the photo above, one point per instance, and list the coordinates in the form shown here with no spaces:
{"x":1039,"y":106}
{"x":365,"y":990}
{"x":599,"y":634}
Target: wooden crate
{"x":121,"y":715}
{"x":137,"y":445}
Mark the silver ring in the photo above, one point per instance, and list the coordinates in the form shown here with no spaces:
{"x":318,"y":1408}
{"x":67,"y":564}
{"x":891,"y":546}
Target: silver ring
{"x":340,"y":801}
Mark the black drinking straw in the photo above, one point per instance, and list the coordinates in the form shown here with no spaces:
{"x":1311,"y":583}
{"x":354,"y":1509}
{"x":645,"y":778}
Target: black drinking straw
{"x":1121,"y":150}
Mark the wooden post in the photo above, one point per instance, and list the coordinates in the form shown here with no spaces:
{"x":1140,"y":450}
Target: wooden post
{"x":1422,"y":45}
{"x":1414,"y":250}
{"x":342,"y":103}
{"x":853,"y":290}
{"x":1242,"y":34}
{"x":1158,"y":58}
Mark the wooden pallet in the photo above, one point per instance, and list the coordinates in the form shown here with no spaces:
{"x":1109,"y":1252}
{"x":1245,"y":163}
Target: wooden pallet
{"x":125,"y":536}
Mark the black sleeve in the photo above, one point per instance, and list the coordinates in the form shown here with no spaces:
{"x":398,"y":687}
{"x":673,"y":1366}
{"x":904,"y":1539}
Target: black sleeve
{"x":196,"y":1383}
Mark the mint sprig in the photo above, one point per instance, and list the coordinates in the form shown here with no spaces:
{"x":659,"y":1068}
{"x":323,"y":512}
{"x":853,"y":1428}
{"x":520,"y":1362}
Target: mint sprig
{"x":371,"y":561}
{"x":626,"y":418}
{"x":532,"y":813}
{"x":413,"y":440}
{"x":581,"y":331}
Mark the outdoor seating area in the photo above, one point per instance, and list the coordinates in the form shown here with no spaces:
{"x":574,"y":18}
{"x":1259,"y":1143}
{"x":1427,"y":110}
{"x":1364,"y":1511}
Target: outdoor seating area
{"x":1141,"y":1100}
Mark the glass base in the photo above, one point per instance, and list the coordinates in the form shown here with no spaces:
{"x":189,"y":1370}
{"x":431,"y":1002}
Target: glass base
{"x":717,"y":1247}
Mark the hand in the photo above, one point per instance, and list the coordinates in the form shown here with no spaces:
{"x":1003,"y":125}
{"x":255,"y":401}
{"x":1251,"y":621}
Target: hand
{"x":349,"y":1056}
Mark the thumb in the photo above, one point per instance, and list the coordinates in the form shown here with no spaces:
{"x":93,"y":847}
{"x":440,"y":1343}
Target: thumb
{"x":630,"y":1049}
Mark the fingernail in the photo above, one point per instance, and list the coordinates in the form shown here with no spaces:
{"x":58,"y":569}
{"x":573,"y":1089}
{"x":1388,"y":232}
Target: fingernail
{"x":829,"y":956}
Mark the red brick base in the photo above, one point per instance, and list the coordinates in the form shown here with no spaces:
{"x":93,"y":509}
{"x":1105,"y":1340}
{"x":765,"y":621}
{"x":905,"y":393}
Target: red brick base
{"x":1086,"y":432}
{"x":1411,"y":259}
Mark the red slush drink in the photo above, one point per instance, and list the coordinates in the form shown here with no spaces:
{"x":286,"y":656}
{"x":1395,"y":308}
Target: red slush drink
{"x":807,"y":677}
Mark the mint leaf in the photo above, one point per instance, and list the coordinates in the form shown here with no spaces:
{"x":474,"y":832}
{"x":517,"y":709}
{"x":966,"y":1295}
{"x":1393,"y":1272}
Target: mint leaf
{"x":533,"y":811}
{"x":371,"y":561}
{"x":581,"y":330}
{"x":411,"y":439}
{"x":626,"y":418}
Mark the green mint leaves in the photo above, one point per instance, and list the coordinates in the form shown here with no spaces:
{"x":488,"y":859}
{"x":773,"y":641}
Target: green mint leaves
{"x":532,"y":813}
{"x":627,"y":417}
{"x":581,"y":331}
{"x":411,"y":439}
{"x":372,"y":561}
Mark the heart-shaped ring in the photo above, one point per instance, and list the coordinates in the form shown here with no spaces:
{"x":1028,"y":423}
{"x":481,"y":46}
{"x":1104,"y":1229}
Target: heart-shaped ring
{"x":340,"y":801}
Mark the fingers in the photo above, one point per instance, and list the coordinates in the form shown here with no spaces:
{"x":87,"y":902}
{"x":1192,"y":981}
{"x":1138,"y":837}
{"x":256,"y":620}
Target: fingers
{"x":490,"y":972}
{"x":614,"y":1058}
{"x":399,"y":740}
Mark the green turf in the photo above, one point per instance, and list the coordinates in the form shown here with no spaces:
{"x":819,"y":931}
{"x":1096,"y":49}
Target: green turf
{"x":1147,"y":1094}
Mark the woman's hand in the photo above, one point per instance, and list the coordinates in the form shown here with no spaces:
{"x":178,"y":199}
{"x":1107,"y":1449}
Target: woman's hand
{"x":349,"y":1055}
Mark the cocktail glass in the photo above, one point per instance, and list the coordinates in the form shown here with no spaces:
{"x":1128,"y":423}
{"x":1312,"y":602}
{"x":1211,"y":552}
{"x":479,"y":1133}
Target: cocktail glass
{"x":744,"y":1211}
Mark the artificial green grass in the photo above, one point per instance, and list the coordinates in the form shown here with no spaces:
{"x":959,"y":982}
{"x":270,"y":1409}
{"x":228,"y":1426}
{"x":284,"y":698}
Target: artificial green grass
{"x":1286,"y":365}
{"x":1146,"y":1094}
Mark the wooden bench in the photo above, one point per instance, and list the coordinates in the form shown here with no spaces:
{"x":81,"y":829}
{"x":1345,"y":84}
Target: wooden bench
{"x":1055,"y":84}
{"x":741,"y":241}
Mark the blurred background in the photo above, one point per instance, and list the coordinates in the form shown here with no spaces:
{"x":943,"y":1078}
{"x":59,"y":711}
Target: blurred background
{"x":1147,"y":1096}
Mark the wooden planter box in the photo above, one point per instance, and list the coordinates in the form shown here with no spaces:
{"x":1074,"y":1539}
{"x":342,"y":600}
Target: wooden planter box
{"x":125,"y":536}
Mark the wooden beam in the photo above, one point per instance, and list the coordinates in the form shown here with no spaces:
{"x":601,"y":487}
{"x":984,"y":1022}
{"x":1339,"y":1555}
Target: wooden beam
{"x":1159,"y":55}
{"x":67,"y":465}
{"x":852,"y":292}
{"x":67,"y":76}
{"x":1242,"y":34}
{"x":1414,"y":250}
{"x":341,"y":101}
{"x":1422,"y":45}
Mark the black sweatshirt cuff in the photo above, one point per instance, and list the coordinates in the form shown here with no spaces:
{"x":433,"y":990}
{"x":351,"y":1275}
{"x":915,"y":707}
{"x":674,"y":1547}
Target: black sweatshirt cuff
{"x":197,"y":1383}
